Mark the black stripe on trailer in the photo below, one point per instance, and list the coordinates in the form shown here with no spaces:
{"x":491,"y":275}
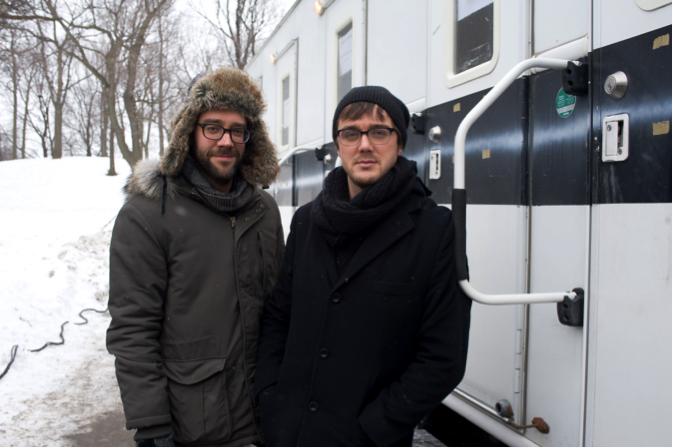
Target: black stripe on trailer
{"x":559,"y":152}
{"x":416,"y":150}
{"x":645,"y":177}
{"x":495,"y":149}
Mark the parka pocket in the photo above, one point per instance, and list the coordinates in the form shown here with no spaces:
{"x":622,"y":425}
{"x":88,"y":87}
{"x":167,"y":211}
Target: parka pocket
{"x":197,"y":391}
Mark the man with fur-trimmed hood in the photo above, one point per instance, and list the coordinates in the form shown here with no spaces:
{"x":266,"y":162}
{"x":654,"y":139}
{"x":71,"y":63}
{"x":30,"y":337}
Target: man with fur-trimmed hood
{"x":194,"y":255}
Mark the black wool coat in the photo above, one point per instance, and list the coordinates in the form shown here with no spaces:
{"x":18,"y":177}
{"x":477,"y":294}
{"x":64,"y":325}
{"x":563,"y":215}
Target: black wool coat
{"x":360,"y":359}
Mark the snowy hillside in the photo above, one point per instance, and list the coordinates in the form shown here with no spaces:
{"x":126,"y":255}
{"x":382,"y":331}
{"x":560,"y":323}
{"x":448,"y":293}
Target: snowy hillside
{"x":56,"y":218}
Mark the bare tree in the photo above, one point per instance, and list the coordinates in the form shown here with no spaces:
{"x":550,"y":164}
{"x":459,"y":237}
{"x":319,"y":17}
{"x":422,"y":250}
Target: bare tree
{"x":25,"y":91}
{"x":112,"y":32}
{"x":146,"y":101}
{"x":12,"y":11}
{"x":5,"y":150}
{"x":58,"y":73}
{"x":104,"y":119}
{"x":84,"y":113}
{"x":111,"y":171}
{"x":18,"y":69}
{"x":140,"y":53}
{"x":241,"y":26}
{"x":41,"y":124}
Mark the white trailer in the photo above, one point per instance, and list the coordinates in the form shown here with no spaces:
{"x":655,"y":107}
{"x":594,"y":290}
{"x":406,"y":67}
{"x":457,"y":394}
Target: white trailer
{"x":566,"y":187}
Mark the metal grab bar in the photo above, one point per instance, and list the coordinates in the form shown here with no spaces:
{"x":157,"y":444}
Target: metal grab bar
{"x":459,"y":197}
{"x":292,"y":152}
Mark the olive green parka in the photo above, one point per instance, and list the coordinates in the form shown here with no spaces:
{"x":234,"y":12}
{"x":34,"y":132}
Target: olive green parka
{"x":188,"y":283}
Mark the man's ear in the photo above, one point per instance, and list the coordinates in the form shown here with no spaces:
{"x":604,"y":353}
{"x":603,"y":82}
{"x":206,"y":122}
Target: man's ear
{"x":399,"y":150}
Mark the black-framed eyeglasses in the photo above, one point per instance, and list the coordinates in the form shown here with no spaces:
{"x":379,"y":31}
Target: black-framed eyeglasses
{"x":377,"y":136}
{"x":216,"y":132}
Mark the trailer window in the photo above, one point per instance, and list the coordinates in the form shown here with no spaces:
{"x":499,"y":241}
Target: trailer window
{"x":471,"y":39}
{"x":285,"y":138}
{"x":474,"y":34}
{"x":345,"y":61}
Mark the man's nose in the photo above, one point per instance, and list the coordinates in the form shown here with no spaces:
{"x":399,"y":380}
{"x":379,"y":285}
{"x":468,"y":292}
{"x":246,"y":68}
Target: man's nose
{"x":225,"y":140}
{"x":365,"y":143}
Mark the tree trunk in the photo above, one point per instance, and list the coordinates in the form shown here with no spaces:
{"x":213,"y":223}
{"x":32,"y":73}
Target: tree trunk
{"x":111,"y":171}
{"x":146,"y":144}
{"x":58,"y":100}
{"x":25,"y":120}
{"x":57,"y":150}
{"x":115,"y":127}
{"x":15,"y":119}
{"x":15,"y":105}
{"x":104,"y":119}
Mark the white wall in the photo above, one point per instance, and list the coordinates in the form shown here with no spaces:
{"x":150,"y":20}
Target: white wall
{"x":618,"y":20}
{"x":629,"y":386}
{"x":397,"y":47}
{"x":554,"y":25}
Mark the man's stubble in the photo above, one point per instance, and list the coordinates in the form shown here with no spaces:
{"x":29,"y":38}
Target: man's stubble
{"x":217,"y":174}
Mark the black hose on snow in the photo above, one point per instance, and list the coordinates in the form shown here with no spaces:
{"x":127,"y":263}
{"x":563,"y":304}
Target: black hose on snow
{"x":52,"y":343}
{"x":13,"y":355}
{"x":86,"y":321}
{"x":15,"y":348}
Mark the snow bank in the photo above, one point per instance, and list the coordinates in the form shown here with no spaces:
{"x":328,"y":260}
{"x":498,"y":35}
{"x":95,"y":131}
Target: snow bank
{"x":56,"y":218}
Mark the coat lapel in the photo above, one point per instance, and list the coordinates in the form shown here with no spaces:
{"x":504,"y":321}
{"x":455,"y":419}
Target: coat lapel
{"x":386,"y":234}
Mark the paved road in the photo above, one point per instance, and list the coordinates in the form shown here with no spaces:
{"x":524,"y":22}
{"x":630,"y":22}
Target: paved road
{"x":109,"y":430}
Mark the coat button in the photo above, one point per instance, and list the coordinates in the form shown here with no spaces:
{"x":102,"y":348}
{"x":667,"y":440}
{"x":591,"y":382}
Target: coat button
{"x":336,"y":298}
{"x":313,"y":406}
{"x":324,"y":353}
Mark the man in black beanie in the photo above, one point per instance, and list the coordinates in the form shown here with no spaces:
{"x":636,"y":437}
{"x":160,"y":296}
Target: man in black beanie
{"x":367,"y":329}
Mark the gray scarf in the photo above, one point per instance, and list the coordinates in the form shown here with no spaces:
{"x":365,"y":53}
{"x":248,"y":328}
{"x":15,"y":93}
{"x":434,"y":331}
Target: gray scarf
{"x":240,"y":193}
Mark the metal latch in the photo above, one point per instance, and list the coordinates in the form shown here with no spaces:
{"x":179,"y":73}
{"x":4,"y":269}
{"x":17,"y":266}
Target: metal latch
{"x":571,"y":311}
{"x":435,"y":164}
{"x":418,"y":123}
{"x":616,"y":138}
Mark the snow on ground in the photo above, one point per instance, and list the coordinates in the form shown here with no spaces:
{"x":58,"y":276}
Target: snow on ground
{"x":56,"y":218}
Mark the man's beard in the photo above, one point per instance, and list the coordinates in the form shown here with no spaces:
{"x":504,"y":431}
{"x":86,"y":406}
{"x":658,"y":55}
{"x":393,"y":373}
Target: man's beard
{"x":217,"y":174}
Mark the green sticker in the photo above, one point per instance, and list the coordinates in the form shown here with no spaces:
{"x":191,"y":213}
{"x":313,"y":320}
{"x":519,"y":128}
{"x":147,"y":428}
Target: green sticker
{"x":564,"y":104}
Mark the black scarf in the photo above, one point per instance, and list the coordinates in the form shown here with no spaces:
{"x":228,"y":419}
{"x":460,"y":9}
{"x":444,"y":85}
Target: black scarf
{"x":239,"y":194}
{"x":344,"y":222}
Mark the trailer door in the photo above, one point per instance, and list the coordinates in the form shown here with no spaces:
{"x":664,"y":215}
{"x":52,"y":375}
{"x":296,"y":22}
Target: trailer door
{"x":528,"y":221}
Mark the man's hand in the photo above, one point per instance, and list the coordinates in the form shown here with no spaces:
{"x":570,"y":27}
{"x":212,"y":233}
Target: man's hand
{"x":157,"y":441}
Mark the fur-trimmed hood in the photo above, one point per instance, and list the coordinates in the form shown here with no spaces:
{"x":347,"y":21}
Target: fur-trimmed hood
{"x":227,"y":88}
{"x":147,"y":180}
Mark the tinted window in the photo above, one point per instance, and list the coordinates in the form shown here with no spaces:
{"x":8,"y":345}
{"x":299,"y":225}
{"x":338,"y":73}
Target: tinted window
{"x":345,"y":62}
{"x":474,"y":35}
{"x":286,"y":112}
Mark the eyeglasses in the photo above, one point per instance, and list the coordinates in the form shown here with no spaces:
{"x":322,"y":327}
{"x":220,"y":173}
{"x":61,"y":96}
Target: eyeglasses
{"x":377,"y":136}
{"x":216,"y":132}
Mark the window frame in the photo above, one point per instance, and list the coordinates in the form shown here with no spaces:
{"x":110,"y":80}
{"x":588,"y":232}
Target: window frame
{"x":452,"y":79}
{"x":285,"y":76}
{"x":338,"y":62}
{"x":339,"y":26}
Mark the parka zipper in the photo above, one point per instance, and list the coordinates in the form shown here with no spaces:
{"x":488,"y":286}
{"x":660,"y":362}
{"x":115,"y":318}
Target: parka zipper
{"x":245,"y":342}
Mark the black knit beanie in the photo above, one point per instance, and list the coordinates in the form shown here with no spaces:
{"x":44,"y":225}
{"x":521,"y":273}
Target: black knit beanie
{"x":378,"y":95}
